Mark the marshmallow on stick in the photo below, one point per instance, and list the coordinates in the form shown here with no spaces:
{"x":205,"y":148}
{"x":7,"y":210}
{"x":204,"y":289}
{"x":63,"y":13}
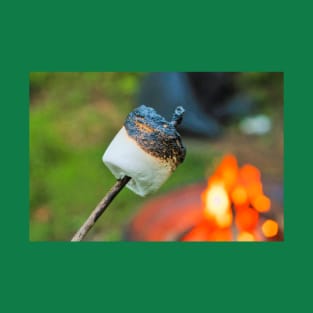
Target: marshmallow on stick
{"x":141,"y":156}
{"x":147,"y":148}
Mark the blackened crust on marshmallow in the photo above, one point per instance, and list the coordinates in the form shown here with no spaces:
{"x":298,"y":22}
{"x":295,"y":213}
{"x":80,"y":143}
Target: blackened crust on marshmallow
{"x":155,"y":135}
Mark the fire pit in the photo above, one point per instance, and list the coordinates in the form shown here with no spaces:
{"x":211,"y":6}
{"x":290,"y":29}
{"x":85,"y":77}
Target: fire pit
{"x":234,"y":205}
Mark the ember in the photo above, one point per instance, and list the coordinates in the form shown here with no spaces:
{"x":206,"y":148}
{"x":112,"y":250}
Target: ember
{"x":270,"y":228}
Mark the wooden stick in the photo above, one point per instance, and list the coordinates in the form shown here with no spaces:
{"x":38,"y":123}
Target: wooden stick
{"x":100,"y":208}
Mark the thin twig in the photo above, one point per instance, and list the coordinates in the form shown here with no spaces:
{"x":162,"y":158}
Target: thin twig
{"x":100,"y":208}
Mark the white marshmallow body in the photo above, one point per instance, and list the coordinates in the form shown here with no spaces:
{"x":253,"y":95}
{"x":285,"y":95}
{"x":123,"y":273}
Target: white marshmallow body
{"x":125,"y":157}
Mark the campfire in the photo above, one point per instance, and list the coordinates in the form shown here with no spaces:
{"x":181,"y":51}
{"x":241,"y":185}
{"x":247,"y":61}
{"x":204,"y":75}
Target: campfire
{"x":232,"y":206}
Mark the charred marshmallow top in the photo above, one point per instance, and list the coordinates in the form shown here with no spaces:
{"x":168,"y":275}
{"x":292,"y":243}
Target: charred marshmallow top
{"x":155,"y":135}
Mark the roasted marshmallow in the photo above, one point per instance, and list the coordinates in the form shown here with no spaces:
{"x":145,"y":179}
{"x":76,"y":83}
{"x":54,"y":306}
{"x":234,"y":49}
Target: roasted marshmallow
{"x":147,"y":148}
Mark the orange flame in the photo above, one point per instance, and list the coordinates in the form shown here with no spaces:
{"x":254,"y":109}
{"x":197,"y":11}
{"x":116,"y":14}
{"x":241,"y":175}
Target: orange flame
{"x":217,"y":205}
{"x":227,"y":171}
{"x":239,"y":195}
{"x":247,"y":219}
{"x":261,"y":203}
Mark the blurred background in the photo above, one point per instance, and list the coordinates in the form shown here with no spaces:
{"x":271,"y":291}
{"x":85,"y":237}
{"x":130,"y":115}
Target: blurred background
{"x":75,"y":115}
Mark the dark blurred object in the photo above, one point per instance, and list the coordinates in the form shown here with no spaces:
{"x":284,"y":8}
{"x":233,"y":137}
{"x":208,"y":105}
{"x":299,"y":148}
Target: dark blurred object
{"x":210,"y":99}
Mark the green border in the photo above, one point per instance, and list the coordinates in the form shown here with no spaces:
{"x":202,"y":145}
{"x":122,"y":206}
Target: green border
{"x":147,"y":277}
